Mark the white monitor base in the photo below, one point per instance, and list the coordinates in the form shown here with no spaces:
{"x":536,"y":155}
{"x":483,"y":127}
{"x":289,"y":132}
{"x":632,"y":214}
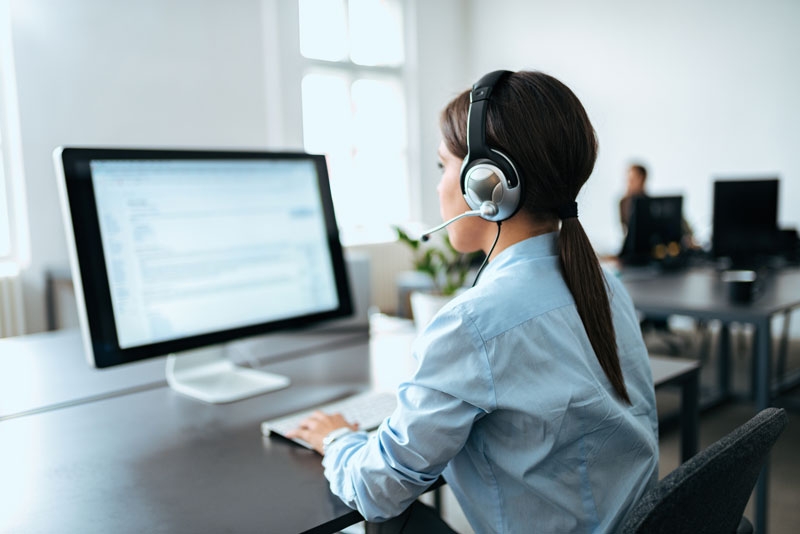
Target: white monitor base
{"x":207,"y":374}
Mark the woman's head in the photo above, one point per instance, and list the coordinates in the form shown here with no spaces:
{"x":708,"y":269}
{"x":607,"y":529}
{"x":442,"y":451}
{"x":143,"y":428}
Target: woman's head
{"x":541,"y":125}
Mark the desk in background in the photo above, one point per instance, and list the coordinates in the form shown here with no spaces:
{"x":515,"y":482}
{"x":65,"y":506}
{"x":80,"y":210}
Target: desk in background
{"x":684,"y":374}
{"x":699,"y":293}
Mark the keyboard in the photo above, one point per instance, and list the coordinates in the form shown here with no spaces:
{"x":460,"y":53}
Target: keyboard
{"x":368,"y":409}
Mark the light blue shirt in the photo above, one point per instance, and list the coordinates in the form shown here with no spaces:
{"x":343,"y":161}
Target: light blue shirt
{"x":511,"y":406}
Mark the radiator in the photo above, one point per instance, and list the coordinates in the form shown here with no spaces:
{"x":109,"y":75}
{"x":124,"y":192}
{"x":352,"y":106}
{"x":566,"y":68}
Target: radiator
{"x":12,"y":316}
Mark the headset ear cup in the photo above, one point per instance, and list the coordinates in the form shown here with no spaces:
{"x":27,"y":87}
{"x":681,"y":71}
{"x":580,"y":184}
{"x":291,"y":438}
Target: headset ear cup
{"x":480,"y":184}
{"x":483,"y":182}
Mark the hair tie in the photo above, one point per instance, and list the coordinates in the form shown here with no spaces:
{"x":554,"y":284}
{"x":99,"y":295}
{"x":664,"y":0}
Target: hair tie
{"x":568,"y":211}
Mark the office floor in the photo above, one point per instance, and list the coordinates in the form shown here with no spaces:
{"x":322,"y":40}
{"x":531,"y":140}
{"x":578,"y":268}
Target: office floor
{"x":784,"y":488}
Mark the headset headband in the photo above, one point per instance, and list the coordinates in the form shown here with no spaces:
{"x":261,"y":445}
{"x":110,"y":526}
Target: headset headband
{"x":476,"y":118}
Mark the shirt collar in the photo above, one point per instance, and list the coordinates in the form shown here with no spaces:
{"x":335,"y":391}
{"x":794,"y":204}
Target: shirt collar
{"x":539,"y":246}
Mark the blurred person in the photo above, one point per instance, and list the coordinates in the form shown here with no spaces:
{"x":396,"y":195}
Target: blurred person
{"x":637,"y":177}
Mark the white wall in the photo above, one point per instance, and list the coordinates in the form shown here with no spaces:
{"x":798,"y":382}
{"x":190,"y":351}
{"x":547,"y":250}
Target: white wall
{"x":693,"y":89}
{"x":195,"y":73}
{"x":144,"y":73}
{"x":441,"y":62}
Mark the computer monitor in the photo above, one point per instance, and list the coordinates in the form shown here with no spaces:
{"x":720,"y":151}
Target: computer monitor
{"x":655,"y":231}
{"x":176,"y":252}
{"x":745,"y":220}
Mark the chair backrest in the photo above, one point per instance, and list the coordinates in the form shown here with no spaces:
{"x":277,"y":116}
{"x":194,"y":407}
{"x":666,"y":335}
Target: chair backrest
{"x":709,"y":492}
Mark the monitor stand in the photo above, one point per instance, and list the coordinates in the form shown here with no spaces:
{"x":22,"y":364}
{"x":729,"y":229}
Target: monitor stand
{"x":207,"y":374}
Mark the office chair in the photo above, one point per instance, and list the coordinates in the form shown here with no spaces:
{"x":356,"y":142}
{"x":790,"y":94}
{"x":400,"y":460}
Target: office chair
{"x":709,"y":492}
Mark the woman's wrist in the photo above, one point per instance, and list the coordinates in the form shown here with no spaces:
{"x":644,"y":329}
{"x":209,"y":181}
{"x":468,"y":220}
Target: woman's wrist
{"x":333,"y":436}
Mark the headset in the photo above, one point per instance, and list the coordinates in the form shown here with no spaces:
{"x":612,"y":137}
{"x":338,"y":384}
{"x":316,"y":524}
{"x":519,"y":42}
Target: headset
{"x":490,"y":182}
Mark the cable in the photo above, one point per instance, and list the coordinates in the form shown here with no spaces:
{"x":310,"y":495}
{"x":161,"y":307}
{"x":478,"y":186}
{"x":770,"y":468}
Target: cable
{"x":486,"y":259}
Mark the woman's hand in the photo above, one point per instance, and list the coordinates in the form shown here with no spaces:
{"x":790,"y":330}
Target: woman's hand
{"x":318,"y":425}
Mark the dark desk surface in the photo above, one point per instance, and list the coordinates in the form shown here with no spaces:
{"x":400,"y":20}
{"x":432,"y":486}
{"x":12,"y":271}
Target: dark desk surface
{"x":701,"y":293}
{"x":154,"y":460}
{"x":76,"y":455}
{"x":49,"y":370}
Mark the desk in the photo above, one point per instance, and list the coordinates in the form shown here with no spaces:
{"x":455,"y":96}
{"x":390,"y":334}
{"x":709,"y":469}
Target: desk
{"x":88,"y":451}
{"x":699,"y":293}
{"x":686,"y":375}
{"x":47,"y":371}
{"x":153,"y":460}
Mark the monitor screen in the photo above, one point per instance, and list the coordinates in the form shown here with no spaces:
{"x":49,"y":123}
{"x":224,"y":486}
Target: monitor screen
{"x":745,"y":220}
{"x":177,"y":249}
{"x":655,"y":230}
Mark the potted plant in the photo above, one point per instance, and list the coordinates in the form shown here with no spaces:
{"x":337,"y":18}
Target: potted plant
{"x":445,"y":270}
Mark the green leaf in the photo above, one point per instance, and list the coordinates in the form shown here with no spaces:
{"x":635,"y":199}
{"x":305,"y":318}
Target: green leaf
{"x":446,"y":267}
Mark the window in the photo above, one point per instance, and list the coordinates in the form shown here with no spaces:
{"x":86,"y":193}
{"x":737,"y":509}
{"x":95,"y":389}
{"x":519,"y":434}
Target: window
{"x":13,"y":228}
{"x":5,"y":223}
{"x":354,"y":109}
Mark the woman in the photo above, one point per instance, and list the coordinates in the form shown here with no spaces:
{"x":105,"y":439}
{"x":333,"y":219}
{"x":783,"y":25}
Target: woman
{"x":533,"y":395}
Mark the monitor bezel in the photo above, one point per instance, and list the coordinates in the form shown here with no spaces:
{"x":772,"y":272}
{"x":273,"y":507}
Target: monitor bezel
{"x":88,"y":266}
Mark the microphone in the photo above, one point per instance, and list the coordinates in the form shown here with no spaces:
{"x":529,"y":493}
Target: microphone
{"x":487,"y":209}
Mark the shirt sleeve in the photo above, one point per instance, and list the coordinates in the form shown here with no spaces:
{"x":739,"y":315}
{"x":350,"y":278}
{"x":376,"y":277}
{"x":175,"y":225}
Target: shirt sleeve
{"x":381,"y":474}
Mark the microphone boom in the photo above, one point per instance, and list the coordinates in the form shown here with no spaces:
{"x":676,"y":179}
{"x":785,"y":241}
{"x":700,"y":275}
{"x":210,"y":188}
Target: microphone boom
{"x":487,"y":209}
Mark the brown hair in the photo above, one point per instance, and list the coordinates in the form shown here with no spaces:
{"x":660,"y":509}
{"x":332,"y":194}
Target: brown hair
{"x":641,"y":169}
{"x":540,"y":123}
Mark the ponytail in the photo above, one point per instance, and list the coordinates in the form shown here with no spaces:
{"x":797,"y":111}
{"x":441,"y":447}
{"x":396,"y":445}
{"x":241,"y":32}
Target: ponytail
{"x":541,"y":122}
{"x":584,"y":277}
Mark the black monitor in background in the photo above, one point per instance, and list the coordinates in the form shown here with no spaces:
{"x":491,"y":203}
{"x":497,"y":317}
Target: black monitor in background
{"x":655,"y":231}
{"x":745,"y":220}
{"x":176,"y":252}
